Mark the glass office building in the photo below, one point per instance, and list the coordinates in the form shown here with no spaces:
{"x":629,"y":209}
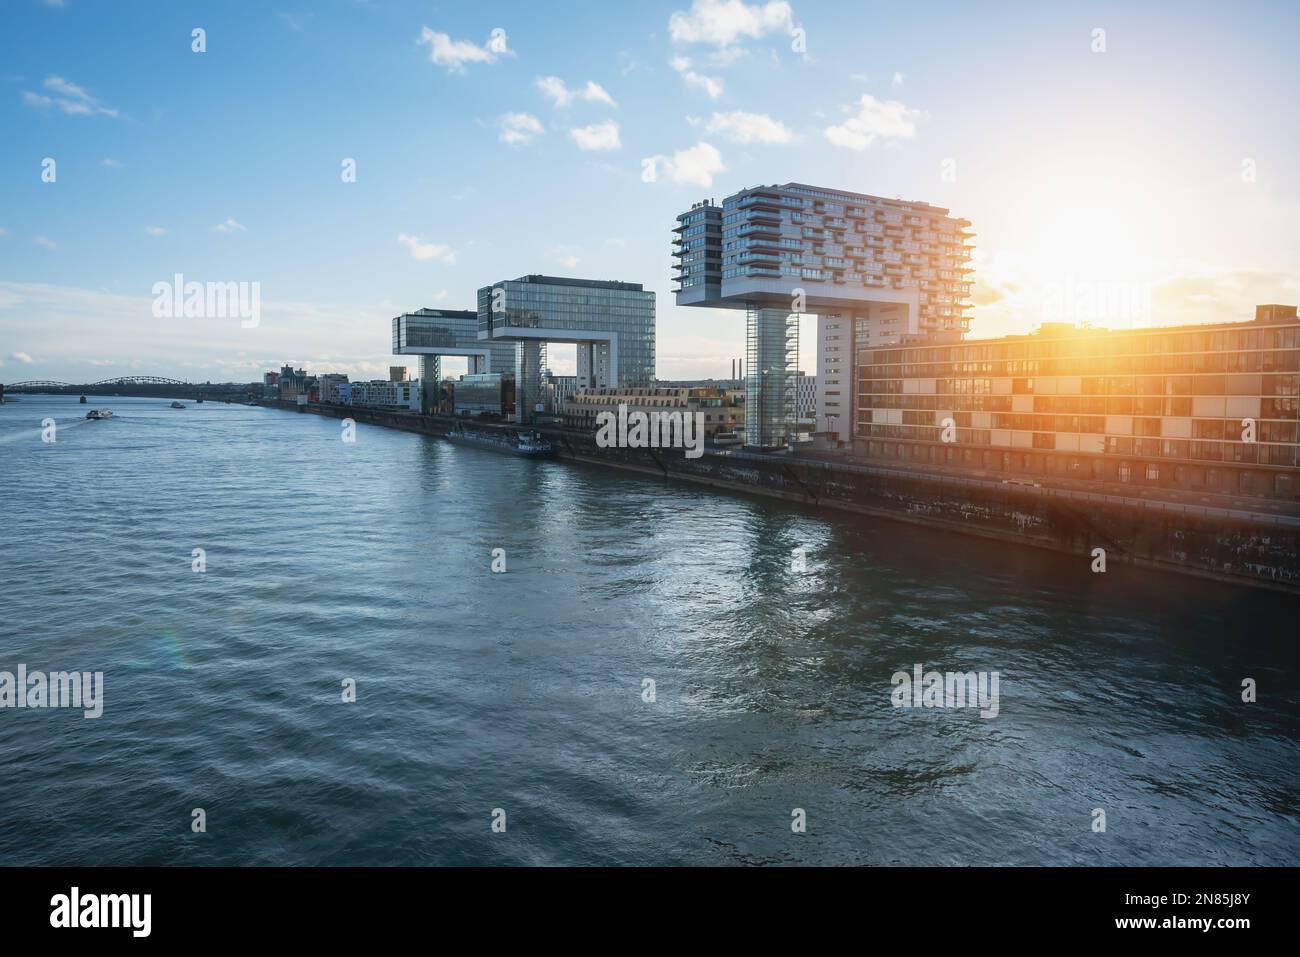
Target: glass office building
{"x":491,"y":393}
{"x":1208,"y":408}
{"x":612,"y":324}
{"x":433,"y":333}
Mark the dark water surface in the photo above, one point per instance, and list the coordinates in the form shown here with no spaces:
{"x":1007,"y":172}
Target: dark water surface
{"x":523,"y":691}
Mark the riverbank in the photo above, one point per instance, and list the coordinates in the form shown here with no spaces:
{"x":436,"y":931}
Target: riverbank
{"x":1232,"y":545}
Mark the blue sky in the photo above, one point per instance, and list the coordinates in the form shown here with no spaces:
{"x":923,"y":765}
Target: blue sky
{"x":1160,"y":171}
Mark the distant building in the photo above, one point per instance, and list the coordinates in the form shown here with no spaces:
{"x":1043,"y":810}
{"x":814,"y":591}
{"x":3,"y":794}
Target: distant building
{"x":723,"y":410}
{"x":434,"y":333}
{"x":1205,"y":408}
{"x":327,"y":387}
{"x":807,"y":391}
{"x":291,"y":383}
{"x":384,"y":394}
{"x":558,"y":389}
{"x":612,"y":324}
{"x":397,"y":373}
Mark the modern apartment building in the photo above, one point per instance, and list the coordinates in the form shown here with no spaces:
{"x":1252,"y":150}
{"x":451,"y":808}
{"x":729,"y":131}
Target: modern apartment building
{"x":434,"y":333}
{"x":1209,"y":408}
{"x":898,"y":270}
{"x":403,"y":396}
{"x":612,"y":324}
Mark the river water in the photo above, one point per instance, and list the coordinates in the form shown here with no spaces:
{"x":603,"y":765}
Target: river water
{"x":523,"y":695}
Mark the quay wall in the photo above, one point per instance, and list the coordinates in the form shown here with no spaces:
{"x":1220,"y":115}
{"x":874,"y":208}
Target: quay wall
{"x":1238,"y":546}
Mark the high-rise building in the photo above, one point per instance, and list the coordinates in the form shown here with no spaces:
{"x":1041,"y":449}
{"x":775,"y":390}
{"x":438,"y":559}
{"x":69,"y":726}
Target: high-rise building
{"x":887,"y":270}
{"x":397,"y":373}
{"x":434,"y":333}
{"x":612,"y":324}
{"x":1202,"y":408}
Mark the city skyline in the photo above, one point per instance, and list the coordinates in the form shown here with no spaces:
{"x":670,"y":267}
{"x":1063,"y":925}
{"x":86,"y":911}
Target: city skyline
{"x":480,"y":154}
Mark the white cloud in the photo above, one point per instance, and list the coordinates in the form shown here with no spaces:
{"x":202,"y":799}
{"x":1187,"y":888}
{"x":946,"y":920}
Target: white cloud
{"x":3,"y":231}
{"x":695,"y":166}
{"x":46,"y":242}
{"x":724,"y":22}
{"x":230,"y":226}
{"x":454,"y":54}
{"x":890,"y":121}
{"x":555,"y":90}
{"x":709,"y":84}
{"x":422,"y":250}
{"x":22,"y":357}
{"x":155,"y":231}
{"x":68,"y":97}
{"x":567,"y":257}
{"x":519,"y":129}
{"x":741,"y":127}
{"x":897,"y":80}
{"x":597,"y":136}
{"x":112,"y":163}
{"x":616,"y":242}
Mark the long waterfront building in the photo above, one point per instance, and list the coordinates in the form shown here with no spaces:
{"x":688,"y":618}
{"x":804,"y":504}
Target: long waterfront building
{"x":1209,"y":408}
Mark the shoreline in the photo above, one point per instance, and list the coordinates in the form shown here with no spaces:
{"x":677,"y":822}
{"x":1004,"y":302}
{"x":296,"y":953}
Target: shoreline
{"x":1073,"y":523}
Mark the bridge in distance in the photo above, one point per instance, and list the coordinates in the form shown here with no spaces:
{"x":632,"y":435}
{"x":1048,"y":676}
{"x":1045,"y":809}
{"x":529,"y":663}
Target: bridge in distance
{"x":138,"y":385}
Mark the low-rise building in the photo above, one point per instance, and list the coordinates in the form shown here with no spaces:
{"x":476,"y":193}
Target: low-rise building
{"x":723,"y":410}
{"x":489,"y":393}
{"x":383,"y":394}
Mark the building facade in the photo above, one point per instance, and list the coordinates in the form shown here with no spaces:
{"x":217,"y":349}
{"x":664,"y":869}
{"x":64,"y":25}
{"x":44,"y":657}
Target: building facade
{"x":434,"y":333}
{"x":402,"y":396}
{"x":898,"y":270}
{"x":612,"y":324}
{"x":806,"y":387}
{"x":1208,"y":408}
{"x":490,"y":393}
{"x":722,"y":410}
